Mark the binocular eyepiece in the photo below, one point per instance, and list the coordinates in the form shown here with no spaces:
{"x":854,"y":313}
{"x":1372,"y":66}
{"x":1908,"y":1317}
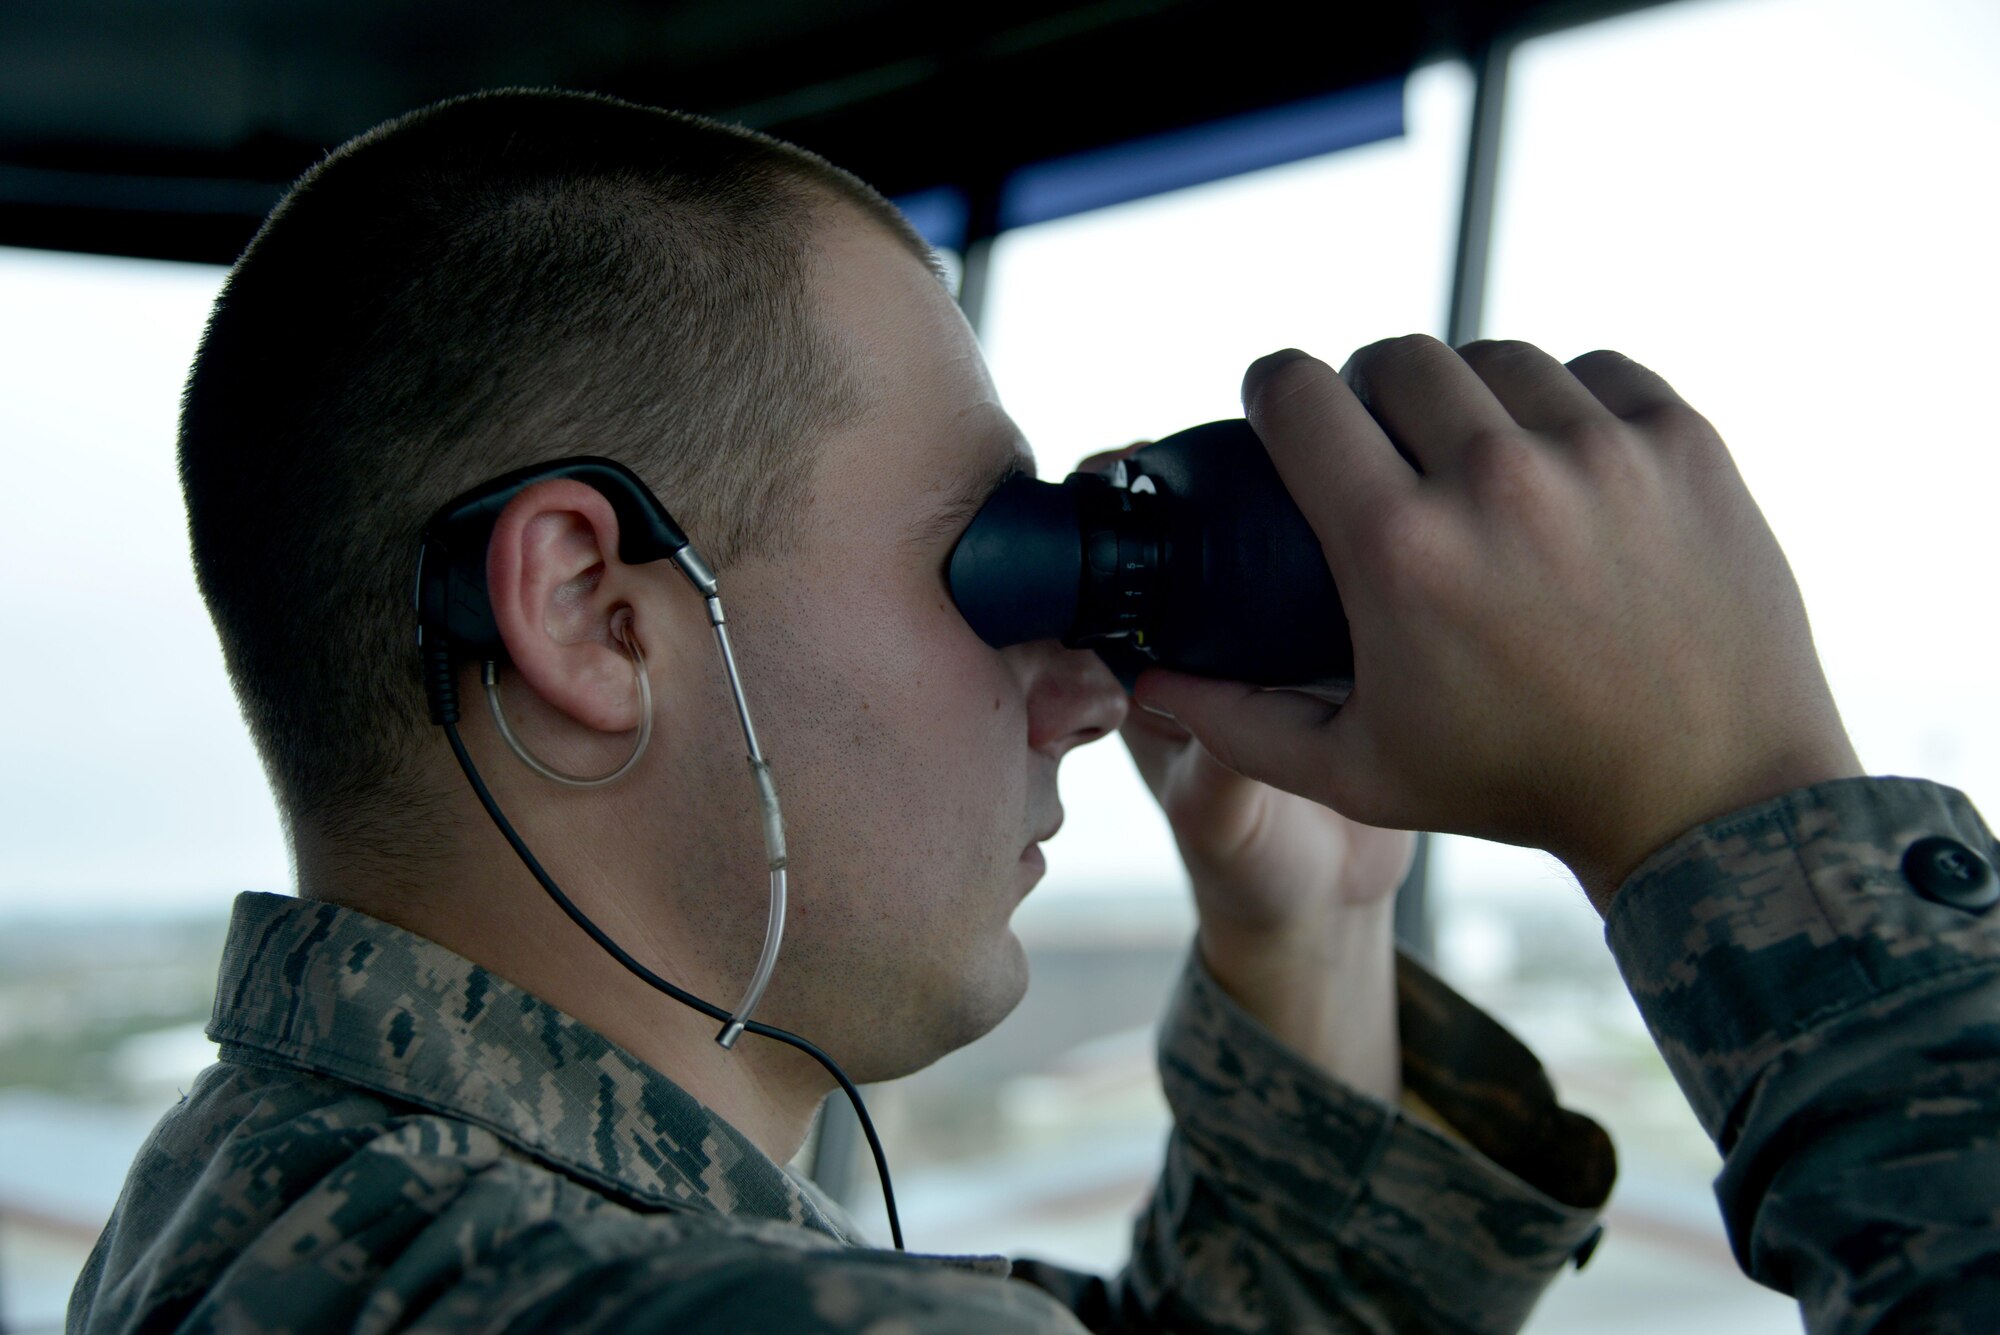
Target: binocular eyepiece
{"x":1188,"y":554}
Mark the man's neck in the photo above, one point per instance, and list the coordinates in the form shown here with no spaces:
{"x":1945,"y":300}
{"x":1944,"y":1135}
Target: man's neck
{"x":767,"y":1091}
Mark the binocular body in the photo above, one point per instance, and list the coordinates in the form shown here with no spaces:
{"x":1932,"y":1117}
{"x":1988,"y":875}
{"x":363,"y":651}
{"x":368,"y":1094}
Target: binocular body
{"x":1188,"y":554}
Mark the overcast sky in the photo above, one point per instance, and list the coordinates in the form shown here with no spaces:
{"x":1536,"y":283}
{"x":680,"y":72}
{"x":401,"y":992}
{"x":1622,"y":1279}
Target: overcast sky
{"x":1784,"y":206}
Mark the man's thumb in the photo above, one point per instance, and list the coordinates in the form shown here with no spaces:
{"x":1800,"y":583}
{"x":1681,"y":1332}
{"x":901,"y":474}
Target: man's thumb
{"x":1283,"y":738}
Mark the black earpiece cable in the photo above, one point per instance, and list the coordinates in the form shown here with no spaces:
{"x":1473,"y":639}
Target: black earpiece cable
{"x":444,"y":702}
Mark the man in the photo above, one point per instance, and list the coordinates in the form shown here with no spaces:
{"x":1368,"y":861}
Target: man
{"x":440,"y":1107}
{"x":440,"y":1104}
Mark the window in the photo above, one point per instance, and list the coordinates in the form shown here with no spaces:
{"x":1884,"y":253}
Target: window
{"x":134,"y":805}
{"x":1782,"y":206}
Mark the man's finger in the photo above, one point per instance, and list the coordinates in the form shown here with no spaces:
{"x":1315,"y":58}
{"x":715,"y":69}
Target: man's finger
{"x":1425,"y":396}
{"x":1623,"y":385}
{"x":1212,"y":808}
{"x":1153,"y":741}
{"x":1286,"y":739}
{"x":1331,"y":455}
{"x":1536,"y":390}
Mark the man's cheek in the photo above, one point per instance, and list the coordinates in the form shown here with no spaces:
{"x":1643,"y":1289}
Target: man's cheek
{"x":962,"y":675}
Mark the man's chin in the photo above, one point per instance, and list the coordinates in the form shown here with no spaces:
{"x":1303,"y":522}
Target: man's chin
{"x":965,"y":1006}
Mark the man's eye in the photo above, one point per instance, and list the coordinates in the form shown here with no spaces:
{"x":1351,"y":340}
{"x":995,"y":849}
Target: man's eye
{"x":957,"y":521}
{"x":950,"y":525}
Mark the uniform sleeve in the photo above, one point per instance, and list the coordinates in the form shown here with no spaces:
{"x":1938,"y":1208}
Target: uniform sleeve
{"x":1289,"y":1201}
{"x":1822,"y":974}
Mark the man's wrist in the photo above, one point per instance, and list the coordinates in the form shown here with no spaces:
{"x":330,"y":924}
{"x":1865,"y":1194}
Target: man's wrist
{"x":1603,"y":870}
{"x":1325,"y":988}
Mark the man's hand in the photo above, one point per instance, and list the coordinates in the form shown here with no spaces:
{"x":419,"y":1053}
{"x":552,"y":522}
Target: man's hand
{"x":1572,"y":627}
{"x":1296,"y":901}
{"x":1296,"y":904}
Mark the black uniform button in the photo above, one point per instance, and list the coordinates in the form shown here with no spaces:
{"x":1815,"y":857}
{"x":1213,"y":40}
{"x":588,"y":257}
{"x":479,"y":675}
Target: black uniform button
{"x":1948,"y":872}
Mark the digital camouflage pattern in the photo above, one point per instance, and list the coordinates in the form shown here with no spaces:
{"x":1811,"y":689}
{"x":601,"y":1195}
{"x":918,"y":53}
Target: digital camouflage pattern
{"x":1838,"y":1034}
{"x":395,"y":1139}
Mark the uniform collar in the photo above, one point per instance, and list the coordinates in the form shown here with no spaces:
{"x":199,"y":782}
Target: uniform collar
{"x":335,"y":992}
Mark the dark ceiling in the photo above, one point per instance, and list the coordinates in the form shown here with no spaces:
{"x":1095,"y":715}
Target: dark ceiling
{"x":148,"y":127}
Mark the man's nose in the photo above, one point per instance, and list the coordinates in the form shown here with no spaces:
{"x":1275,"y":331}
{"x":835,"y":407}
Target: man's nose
{"x":1074,"y":699}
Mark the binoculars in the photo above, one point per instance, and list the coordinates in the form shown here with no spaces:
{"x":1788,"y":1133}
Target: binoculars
{"x":1187,"y":554}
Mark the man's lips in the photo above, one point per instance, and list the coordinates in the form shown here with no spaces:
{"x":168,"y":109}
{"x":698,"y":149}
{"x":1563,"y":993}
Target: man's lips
{"x":1047,"y":834}
{"x":1032,"y":854}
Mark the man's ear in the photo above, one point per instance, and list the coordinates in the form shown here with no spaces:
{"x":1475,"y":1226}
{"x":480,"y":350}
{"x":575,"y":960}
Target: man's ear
{"x":556,"y":583}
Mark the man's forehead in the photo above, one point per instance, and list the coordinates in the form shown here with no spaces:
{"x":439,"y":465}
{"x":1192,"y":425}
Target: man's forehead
{"x":936,"y":435}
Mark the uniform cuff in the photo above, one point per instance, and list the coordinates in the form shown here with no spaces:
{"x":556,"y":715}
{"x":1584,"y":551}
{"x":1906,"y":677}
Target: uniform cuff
{"x":1764,"y":925}
{"x":1478,"y":1225}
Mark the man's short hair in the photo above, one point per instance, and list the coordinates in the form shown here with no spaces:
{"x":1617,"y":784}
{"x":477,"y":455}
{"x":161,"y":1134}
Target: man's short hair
{"x":481,"y":284}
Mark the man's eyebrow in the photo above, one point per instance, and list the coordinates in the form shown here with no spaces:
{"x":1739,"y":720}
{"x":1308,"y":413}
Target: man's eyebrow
{"x":952,"y":509}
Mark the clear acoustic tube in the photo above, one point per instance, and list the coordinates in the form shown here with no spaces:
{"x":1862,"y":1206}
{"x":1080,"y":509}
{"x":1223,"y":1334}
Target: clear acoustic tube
{"x":774,"y":840}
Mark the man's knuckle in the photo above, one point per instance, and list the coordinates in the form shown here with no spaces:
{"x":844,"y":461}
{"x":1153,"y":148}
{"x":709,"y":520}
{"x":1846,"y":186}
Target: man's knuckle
{"x":1397,"y":344}
{"x":1673,"y":422}
{"x":1399,"y":541}
{"x":1412,"y":350}
{"x":1594,"y":435}
{"x":1380,"y":525}
{"x":1390,"y":354}
{"x":1499,"y":351}
{"x":1500,"y":460}
{"x":1595,"y":358}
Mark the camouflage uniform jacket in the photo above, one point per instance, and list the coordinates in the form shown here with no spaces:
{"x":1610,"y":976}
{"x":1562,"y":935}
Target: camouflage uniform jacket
{"x":396,"y":1139}
{"x":1822,"y":973}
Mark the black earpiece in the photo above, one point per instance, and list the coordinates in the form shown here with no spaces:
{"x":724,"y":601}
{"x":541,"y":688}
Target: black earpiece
{"x":454,"y":612}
